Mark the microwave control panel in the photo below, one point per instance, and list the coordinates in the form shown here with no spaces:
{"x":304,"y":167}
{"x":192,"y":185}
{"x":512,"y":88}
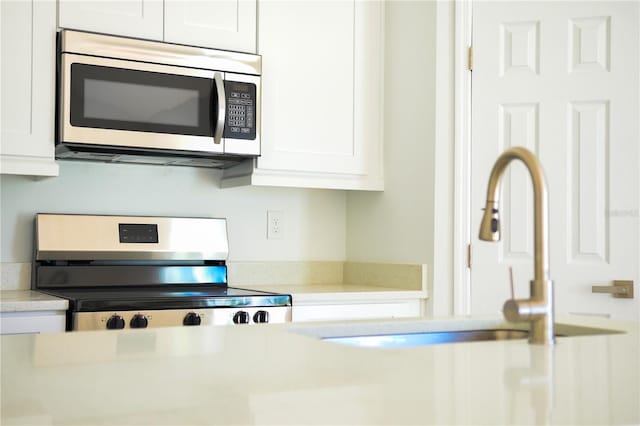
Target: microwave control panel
{"x":241,"y":110}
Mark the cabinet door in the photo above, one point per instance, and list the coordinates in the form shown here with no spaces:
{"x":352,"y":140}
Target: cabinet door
{"x":357,"y":311}
{"x":32,"y":322}
{"x":307,"y":85}
{"x":134,"y":18}
{"x":321,"y":88}
{"x":220,"y":24}
{"x":28,"y":87}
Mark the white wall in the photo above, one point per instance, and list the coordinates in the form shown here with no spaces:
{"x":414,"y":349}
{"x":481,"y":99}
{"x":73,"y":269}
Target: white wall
{"x":314,"y":220}
{"x":397,"y":224}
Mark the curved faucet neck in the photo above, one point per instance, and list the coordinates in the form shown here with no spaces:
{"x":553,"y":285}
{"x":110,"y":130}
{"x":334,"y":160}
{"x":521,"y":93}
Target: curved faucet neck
{"x":540,"y":203}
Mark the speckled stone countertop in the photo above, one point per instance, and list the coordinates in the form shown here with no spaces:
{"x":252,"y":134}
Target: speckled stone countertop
{"x":28,"y":300}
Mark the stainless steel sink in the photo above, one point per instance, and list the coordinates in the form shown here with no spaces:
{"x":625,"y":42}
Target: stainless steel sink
{"x":399,"y":340}
{"x":428,"y":338}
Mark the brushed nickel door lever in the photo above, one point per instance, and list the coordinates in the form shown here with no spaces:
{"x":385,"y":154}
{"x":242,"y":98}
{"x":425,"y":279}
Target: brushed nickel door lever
{"x":620,"y":288}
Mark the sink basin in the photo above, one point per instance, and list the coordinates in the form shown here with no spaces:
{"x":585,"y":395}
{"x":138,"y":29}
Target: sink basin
{"x":421,"y":333}
{"x":403,"y":340}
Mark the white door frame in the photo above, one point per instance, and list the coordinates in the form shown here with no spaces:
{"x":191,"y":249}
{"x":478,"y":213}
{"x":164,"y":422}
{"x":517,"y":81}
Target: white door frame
{"x":452,"y":216}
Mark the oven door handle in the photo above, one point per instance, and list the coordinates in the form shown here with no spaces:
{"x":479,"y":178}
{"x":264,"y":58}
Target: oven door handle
{"x":222,"y":108}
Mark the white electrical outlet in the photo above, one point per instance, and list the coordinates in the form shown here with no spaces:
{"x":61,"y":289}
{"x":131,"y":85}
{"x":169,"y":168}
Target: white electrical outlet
{"x":275,"y":224}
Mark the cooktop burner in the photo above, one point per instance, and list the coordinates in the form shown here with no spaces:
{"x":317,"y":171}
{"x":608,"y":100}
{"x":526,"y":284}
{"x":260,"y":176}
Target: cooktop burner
{"x":173,"y":297}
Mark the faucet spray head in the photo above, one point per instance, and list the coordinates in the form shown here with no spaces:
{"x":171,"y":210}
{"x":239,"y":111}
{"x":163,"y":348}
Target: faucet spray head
{"x":490,"y":224}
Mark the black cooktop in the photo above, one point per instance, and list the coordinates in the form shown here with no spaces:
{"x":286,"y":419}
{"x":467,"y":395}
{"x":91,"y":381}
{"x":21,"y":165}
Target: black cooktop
{"x":165,"y":297}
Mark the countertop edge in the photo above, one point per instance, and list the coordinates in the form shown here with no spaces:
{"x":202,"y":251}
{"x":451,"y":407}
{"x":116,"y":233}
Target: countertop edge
{"x":341,"y":293}
{"x":30,"y":301}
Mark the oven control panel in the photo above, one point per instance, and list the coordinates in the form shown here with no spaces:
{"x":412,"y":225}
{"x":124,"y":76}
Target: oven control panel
{"x":138,"y":233}
{"x":180,"y":317}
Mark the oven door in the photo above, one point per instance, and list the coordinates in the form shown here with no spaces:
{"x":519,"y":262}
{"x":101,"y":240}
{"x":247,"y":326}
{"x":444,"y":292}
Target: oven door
{"x":139,"y":105}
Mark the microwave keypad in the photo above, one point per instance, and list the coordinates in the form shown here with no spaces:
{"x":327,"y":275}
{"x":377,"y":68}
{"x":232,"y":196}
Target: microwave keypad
{"x":241,"y":110}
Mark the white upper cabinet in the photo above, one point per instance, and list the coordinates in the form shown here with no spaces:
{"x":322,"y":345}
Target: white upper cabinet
{"x":28,"y":87}
{"x":219,"y":24}
{"x":322,"y":87}
{"x":308,"y":82}
{"x":133,"y":18}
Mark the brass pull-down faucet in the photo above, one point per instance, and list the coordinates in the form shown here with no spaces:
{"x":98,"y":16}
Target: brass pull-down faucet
{"x":538,"y":309}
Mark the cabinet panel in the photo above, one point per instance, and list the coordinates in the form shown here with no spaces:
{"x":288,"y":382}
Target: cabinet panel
{"x":28,"y":87}
{"x":356,"y":311}
{"x":134,"y":18}
{"x":221,"y":24}
{"x":32,"y":322}
{"x":308,"y":83}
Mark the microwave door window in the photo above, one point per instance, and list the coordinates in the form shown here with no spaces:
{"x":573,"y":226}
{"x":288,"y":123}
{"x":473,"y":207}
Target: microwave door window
{"x":122,"y":99}
{"x":147,"y":104}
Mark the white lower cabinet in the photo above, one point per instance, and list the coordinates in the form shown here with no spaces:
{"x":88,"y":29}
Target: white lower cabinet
{"x":28,"y":75}
{"x":32,"y":322}
{"x":355,"y":311}
{"x":322,"y":89}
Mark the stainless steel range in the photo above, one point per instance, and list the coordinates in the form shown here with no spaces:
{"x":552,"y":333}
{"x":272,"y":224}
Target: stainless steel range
{"x":139,"y":272}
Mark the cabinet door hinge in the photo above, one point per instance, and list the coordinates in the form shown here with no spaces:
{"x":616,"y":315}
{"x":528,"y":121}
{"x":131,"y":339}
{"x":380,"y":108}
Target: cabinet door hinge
{"x":469,"y":256}
{"x":470,"y":59}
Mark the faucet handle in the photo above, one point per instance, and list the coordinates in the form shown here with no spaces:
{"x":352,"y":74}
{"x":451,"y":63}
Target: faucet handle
{"x":513,"y":295}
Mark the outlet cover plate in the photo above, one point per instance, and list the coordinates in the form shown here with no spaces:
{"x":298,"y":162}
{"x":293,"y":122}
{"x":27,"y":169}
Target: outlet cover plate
{"x":275,"y":224}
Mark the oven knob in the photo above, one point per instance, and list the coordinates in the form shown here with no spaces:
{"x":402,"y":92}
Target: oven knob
{"x":241,"y":317}
{"x":115,"y":322}
{"x":139,"y":321}
{"x":192,"y":318}
{"x":261,"y":317}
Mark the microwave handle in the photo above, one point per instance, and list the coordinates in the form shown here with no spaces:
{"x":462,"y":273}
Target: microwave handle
{"x":222,"y":107}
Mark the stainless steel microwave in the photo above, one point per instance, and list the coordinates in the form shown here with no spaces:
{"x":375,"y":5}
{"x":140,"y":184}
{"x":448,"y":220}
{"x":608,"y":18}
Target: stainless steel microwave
{"x":129,"y":100}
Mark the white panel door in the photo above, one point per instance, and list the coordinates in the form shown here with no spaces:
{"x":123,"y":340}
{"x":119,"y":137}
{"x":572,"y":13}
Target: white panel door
{"x":220,"y":24}
{"x":562,"y":79}
{"x":133,"y":18}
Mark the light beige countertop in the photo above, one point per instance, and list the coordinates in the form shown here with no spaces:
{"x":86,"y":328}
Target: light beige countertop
{"x":30,"y":301}
{"x":340,"y":293}
{"x":333,"y":282}
{"x":307,"y":282}
{"x":282,"y":374}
